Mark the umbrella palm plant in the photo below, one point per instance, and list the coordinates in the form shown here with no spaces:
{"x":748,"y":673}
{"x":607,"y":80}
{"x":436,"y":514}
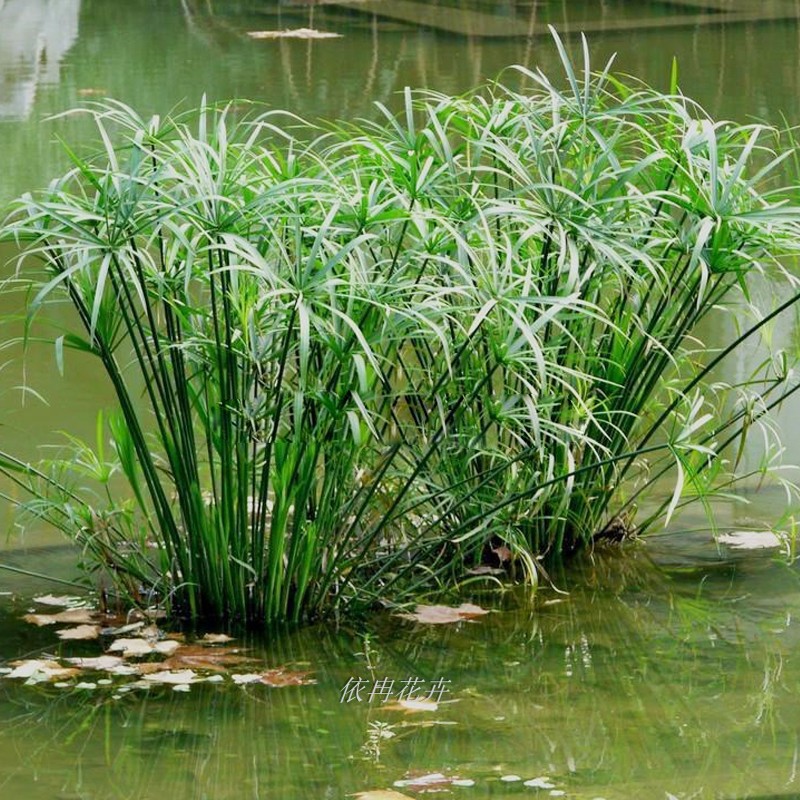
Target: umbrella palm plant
{"x":345,"y":361}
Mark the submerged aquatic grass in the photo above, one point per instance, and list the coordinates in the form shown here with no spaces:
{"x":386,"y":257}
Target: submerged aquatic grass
{"x":348,"y":361}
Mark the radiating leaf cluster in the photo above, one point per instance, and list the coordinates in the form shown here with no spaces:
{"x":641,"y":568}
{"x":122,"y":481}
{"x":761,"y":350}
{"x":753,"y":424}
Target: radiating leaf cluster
{"x":349,"y":360}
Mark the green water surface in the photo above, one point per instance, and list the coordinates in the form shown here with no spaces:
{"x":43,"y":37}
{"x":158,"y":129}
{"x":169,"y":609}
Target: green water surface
{"x":670,"y":669}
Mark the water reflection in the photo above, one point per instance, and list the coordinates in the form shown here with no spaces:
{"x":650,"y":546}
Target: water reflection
{"x":662,"y":668}
{"x":35,"y":35}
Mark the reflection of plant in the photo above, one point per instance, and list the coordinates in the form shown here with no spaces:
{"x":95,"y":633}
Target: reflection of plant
{"x":363,"y":358}
{"x":765,"y":698}
{"x":370,"y":654}
{"x":787,"y":529}
{"x":377,"y":734}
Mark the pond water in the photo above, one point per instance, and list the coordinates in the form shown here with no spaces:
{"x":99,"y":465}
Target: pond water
{"x":669,"y":669}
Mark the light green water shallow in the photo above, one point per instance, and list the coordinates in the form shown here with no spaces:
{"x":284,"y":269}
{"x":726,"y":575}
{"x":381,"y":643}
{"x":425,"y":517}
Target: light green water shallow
{"x":680,"y":678}
{"x":676,"y":677}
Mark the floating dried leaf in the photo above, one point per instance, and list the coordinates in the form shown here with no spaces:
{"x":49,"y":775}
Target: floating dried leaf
{"x":381,"y":794}
{"x":216,"y":638}
{"x":141,"y":647}
{"x":199,"y":657}
{"x":250,"y":677}
{"x":275,"y":678}
{"x":281,"y":677}
{"x":435,"y":781}
{"x":40,"y":619}
{"x":147,"y":667}
{"x":166,"y":647}
{"x":750,"y":540}
{"x":183,"y":676}
{"x":142,"y":631}
{"x":131,"y":647}
{"x":42,"y":669}
{"x":540,"y":783}
{"x":441,"y":615}
{"x":80,"y":632}
{"x":60,"y":601}
{"x":76,"y":616}
{"x":124,"y":669}
{"x":296,"y":33}
{"x":101,"y":663}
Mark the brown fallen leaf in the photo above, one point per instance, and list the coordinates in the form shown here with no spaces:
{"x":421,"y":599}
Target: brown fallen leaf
{"x":280,"y":677}
{"x":60,"y":601}
{"x":101,"y":663}
{"x":90,"y":92}
{"x":39,"y":619}
{"x":166,"y":647}
{"x":147,"y":667}
{"x":41,"y":668}
{"x":210,"y":652}
{"x":431,"y":782}
{"x":248,"y":677}
{"x":79,"y":633}
{"x":141,"y":647}
{"x":381,"y":794}
{"x":131,"y":647}
{"x":76,"y":616}
{"x":199,"y":657}
{"x":442,"y":615}
{"x":296,"y":33}
{"x":176,"y":677}
{"x":274,"y":677}
{"x":216,"y":638}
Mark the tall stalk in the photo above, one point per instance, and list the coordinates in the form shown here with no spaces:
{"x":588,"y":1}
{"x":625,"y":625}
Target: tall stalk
{"x":352,"y":365}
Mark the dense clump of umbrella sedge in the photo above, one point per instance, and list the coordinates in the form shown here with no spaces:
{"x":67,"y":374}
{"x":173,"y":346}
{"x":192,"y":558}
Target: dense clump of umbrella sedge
{"x":349,"y":361}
